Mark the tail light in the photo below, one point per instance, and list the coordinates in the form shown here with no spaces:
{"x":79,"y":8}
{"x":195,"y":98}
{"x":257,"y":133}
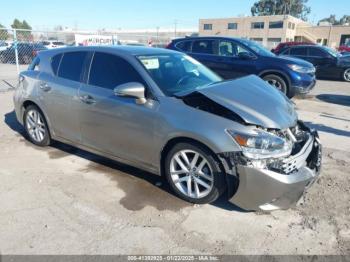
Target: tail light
{"x":168,"y":45}
{"x":34,"y":53}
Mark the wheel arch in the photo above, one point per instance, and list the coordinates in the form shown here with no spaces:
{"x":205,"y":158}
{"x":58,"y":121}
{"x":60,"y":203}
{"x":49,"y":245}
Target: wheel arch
{"x":176,"y":140}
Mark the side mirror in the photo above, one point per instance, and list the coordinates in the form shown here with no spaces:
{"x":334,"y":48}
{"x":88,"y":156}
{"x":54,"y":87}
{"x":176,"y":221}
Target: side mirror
{"x":246,"y":56}
{"x":132,"y":89}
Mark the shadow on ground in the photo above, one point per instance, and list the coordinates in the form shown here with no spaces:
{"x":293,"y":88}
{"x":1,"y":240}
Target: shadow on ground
{"x":343,"y":100}
{"x":328,"y":129}
{"x":141,"y":188}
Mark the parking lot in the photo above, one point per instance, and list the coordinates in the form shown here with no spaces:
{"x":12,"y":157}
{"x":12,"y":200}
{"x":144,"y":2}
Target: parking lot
{"x":61,"y":200}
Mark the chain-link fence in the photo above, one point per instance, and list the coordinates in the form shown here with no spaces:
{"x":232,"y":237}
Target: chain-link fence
{"x":19,"y":47}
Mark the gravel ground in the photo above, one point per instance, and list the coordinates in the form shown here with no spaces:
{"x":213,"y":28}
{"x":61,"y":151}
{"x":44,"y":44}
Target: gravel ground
{"x":61,"y":200}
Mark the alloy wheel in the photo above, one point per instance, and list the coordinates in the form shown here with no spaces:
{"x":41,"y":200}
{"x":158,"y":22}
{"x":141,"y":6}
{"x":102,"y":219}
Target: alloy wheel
{"x":347,"y":75}
{"x":35,"y":126}
{"x":192,"y":174}
{"x":275,"y":83}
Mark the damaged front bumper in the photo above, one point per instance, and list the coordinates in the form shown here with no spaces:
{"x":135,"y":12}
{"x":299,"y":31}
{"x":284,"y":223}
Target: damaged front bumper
{"x":268,"y":189}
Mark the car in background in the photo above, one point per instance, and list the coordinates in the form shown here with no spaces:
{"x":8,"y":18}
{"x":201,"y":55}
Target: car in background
{"x":345,"y":49}
{"x":3,"y":45}
{"x":288,"y":44}
{"x":26,"y":53}
{"x":53,"y":44}
{"x":328,"y":62}
{"x":234,"y":57}
{"x":164,"y":112}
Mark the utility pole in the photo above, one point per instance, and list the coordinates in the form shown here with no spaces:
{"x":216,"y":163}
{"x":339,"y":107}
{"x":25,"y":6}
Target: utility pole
{"x":175,"y":24}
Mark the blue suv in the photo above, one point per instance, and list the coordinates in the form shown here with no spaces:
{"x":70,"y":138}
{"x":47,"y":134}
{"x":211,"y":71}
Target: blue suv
{"x":233,"y":57}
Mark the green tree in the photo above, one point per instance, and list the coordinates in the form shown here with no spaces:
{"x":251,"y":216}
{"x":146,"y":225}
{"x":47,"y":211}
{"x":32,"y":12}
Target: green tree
{"x":22,"y":35}
{"x":3,"y":33}
{"x":296,"y":8}
{"x":332,"y":19}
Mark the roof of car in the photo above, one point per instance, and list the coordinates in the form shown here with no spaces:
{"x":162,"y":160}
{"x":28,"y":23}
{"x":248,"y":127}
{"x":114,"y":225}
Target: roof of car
{"x":128,"y":50}
{"x":210,"y":37}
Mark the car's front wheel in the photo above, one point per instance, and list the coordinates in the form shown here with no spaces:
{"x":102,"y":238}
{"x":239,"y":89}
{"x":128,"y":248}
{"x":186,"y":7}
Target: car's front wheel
{"x":36,"y":127}
{"x":278,"y":82}
{"x":194,"y":174}
{"x":346,"y":75}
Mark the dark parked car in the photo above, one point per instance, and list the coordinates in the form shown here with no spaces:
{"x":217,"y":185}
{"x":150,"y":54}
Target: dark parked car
{"x":288,"y":44}
{"x":328,"y":62}
{"x":26,"y":53}
{"x":233,"y":57}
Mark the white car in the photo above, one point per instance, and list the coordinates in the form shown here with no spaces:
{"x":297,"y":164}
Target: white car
{"x":4,"y":45}
{"x":53,"y":44}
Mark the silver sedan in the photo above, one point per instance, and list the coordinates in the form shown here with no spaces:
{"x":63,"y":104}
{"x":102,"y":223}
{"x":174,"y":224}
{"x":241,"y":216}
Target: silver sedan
{"x":166,"y":113}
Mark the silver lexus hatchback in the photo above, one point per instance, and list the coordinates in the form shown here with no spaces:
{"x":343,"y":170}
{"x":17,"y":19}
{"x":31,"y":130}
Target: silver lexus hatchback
{"x":164,"y":112}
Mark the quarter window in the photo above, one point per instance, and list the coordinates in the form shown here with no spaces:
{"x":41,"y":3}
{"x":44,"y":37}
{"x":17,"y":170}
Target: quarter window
{"x":258,"y":25}
{"x":71,"y":66}
{"x":203,"y":47}
{"x":208,"y":27}
{"x":109,"y":71}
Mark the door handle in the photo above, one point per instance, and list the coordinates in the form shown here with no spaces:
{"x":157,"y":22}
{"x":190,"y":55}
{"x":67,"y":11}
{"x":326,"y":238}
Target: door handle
{"x":87,"y":99}
{"x":45,"y":87}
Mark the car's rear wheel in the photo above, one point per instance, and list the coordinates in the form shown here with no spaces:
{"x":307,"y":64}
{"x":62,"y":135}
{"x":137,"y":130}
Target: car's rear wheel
{"x":36,"y":127}
{"x":346,"y":75}
{"x":194,"y":174}
{"x":277,"y":82}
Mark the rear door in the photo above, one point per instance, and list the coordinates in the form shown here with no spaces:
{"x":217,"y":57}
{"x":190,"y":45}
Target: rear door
{"x":59,"y":93}
{"x":112,"y":124}
{"x":299,"y":52}
{"x":206,"y":52}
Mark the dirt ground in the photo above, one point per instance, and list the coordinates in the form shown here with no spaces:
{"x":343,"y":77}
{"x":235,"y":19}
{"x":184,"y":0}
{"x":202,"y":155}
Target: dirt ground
{"x":61,"y":200}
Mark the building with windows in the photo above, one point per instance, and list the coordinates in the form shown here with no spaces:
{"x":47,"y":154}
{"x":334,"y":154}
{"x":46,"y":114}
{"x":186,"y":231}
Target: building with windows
{"x":271,"y":30}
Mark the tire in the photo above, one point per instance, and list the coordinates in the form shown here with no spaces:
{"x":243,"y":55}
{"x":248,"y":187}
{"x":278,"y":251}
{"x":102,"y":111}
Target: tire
{"x":278,"y":82}
{"x":2,"y":59}
{"x":207,"y":181}
{"x":346,"y":75}
{"x":26,"y":60}
{"x":36,"y":127}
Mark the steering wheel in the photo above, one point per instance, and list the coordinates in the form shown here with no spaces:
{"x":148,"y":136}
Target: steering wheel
{"x":185,"y":77}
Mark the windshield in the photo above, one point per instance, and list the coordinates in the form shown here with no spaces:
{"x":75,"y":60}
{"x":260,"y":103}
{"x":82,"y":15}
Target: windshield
{"x":331,"y":51}
{"x":175,"y":73}
{"x":257,"y":48}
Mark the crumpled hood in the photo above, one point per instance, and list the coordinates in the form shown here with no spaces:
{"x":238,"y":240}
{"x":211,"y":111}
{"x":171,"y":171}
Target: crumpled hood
{"x":255,"y":101}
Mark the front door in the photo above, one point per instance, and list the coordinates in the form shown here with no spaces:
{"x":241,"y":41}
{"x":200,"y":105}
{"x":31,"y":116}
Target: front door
{"x":112,"y":124}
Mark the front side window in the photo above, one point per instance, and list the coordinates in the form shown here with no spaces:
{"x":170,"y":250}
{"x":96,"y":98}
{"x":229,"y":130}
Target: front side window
{"x":175,"y":73}
{"x":208,"y":27}
{"x":258,"y":25}
{"x":315,"y":52}
{"x":108,"y":71}
{"x":71,"y":66}
{"x":275,"y":25}
{"x":203,"y":47}
{"x":299,"y":51}
{"x":228,"y":48}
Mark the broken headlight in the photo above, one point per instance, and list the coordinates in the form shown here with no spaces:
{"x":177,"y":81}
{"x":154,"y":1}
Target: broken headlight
{"x":262,"y":144}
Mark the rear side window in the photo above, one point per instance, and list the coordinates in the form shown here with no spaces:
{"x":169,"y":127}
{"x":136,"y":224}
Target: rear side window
{"x":55,"y":63}
{"x":300,"y":51}
{"x":203,"y":47}
{"x":71,"y":65}
{"x":109,"y":71}
{"x":184,"y":46}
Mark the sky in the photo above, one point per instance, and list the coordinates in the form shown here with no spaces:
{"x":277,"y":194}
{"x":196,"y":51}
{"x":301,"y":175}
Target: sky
{"x":140,"y":14}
